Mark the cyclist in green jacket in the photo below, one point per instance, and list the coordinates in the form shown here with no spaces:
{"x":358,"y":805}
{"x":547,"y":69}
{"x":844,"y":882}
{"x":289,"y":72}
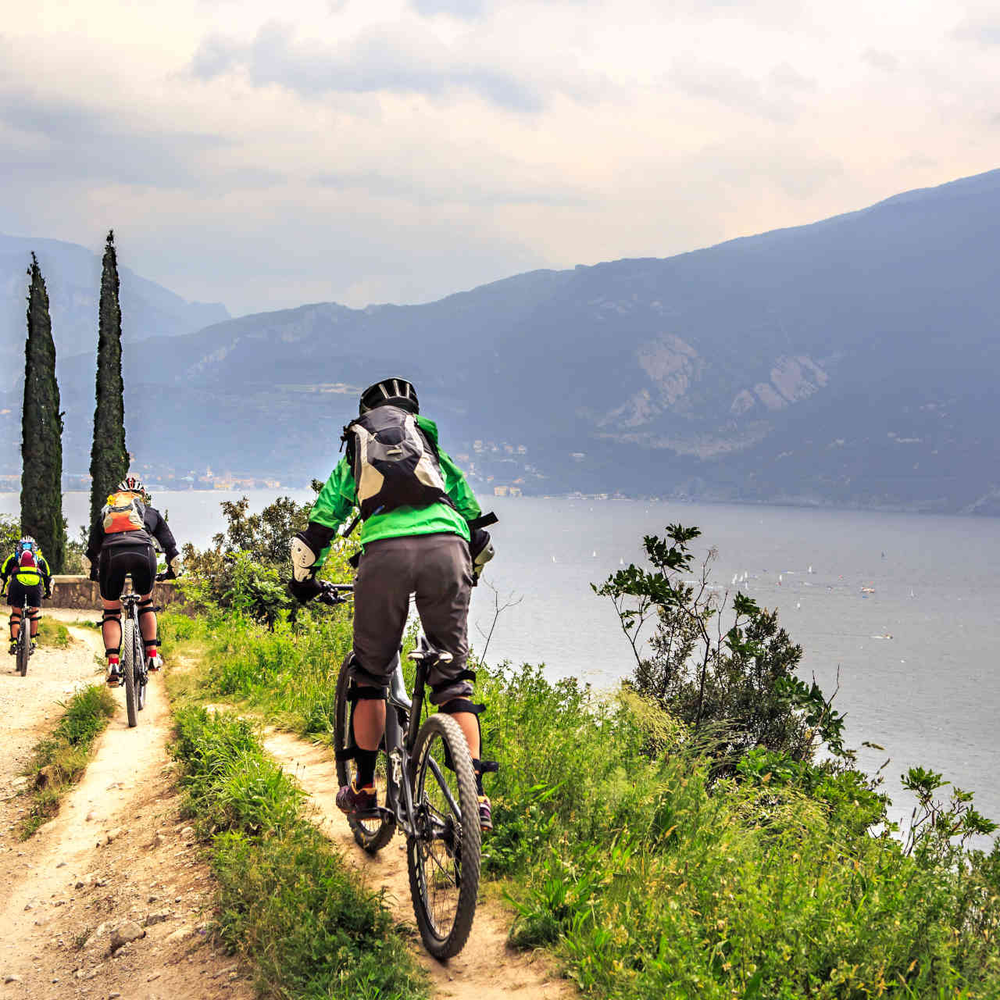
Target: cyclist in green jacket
{"x":28,"y":571}
{"x":416,"y":538}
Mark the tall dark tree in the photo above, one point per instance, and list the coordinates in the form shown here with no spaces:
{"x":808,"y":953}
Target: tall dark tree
{"x":108,"y":456}
{"x":41,"y":430}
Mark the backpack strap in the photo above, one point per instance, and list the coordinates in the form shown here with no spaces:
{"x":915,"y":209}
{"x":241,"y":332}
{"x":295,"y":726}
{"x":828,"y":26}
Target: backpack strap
{"x":483,"y":521}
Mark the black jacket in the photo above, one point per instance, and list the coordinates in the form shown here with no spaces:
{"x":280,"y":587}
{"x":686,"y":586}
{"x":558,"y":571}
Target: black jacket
{"x":153,"y":527}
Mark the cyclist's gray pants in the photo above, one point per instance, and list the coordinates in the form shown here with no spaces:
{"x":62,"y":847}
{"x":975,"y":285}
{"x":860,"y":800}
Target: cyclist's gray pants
{"x":438,"y":569}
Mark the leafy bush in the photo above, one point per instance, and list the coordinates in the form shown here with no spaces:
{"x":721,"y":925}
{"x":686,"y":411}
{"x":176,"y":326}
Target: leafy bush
{"x":248,"y":567}
{"x":735,"y":685}
{"x":10,"y":534}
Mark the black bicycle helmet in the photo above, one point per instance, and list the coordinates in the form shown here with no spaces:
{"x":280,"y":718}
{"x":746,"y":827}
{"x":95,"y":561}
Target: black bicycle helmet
{"x":390,"y":392}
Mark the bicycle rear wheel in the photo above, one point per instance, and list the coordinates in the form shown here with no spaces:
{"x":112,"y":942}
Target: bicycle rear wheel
{"x":443,"y":856}
{"x":374,"y":833}
{"x":130,"y":669}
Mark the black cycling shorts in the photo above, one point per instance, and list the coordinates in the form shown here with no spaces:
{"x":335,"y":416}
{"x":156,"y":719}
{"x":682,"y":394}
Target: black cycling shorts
{"x":17,"y":590}
{"x":117,"y":560}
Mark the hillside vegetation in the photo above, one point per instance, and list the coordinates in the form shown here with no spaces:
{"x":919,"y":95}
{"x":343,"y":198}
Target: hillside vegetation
{"x":708,"y":837}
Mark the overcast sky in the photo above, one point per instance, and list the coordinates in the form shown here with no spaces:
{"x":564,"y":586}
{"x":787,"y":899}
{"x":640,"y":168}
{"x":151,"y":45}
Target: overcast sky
{"x":268,"y":155}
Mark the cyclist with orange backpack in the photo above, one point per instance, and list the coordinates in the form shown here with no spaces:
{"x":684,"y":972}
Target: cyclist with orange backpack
{"x":121,"y":544}
{"x":28,"y":572}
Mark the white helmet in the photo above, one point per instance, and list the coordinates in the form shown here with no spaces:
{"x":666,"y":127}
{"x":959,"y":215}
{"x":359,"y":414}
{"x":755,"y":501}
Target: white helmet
{"x":131,"y":484}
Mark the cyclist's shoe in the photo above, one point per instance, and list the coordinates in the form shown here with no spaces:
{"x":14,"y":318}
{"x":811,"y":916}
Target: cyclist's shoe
{"x":32,"y":647}
{"x":13,"y":647}
{"x":485,"y":814}
{"x":356,"y":801}
{"x":114,"y":674}
{"x":154,"y":662}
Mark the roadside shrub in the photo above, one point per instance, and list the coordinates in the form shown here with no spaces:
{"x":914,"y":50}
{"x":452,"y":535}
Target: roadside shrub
{"x":248,"y":567}
{"x":734,"y":684}
{"x":10,"y":533}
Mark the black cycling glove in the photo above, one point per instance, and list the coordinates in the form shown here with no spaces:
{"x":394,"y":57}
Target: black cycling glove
{"x":304,"y":590}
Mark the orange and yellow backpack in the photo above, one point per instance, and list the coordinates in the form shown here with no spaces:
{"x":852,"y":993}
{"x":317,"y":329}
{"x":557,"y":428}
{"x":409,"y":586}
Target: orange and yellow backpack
{"x":123,"y":512}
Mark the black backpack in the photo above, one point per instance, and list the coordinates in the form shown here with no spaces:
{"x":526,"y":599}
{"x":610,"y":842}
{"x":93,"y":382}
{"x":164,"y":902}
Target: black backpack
{"x":395,"y":463}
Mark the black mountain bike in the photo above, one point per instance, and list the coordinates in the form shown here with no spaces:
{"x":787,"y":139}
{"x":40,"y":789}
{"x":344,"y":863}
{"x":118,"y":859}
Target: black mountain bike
{"x":135,"y":668}
{"x":427,"y":789}
{"x":133,"y":662}
{"x":24,"y":647}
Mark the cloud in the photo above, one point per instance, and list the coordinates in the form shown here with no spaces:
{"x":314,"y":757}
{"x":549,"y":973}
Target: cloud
{"x":884,"y":61}
{"x":396,"y":58}
{"x":985,"y":31}
{"x":54,"y":140}
{"x":453,"y":187}
{"x":465,"y":9}
{"x":776,"y":96}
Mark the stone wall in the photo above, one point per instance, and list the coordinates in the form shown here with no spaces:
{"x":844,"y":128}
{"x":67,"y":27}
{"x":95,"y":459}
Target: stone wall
{"x":81,"y":592}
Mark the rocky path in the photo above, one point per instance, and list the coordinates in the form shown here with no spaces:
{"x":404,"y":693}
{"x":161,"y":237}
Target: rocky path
{"x":486,"y":969}
{"x":117,"y":862}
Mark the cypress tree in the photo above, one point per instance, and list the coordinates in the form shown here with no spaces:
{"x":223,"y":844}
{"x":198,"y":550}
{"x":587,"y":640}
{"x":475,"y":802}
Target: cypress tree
{"x":108,"y":455}
{"x":41,"y":430}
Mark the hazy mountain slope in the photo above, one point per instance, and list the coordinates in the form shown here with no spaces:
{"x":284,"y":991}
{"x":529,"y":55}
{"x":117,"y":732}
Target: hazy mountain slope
{"x":852,"y":361}
{"x":73,"y":279}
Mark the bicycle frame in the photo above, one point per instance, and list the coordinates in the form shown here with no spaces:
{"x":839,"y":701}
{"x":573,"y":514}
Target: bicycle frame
{"x":400,"y":741}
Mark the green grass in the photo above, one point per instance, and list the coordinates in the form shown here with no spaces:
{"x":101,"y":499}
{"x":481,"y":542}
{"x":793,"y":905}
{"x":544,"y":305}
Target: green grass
{"x":647,"y":881}
{"x":644,"y":877}
{"x":52,"y":633}
{"x":288,"y":676}
{"x":287,"y":900}
{"x":60,"y":759}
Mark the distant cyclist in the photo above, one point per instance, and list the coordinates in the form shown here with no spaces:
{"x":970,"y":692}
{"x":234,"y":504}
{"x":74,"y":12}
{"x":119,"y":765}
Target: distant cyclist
{"x":28,"y":572}
{"x":417,"y":510}
{"x":121,"y":543}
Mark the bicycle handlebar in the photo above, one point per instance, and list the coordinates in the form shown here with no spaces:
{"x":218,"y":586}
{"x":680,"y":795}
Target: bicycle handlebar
{"x":332,"y":594}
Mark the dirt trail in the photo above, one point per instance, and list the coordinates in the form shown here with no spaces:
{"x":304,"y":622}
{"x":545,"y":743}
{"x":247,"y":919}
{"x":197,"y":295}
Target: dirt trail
{"x":117,"y":851}
{"x":486,"y":969}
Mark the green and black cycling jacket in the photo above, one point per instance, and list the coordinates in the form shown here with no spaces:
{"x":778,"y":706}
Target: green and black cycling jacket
{"x":336,"y":501}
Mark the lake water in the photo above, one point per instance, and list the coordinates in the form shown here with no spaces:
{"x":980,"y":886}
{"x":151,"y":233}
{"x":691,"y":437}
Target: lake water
{"x":929,"y":694}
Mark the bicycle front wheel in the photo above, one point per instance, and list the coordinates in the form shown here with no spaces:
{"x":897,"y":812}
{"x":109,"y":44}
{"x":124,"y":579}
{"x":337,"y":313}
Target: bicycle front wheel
{"x":130,"y":670}
{"x":23,"y":646}
{"x":142,"y":673}
{"x":374,"y":832}
{"x":443,"y":855}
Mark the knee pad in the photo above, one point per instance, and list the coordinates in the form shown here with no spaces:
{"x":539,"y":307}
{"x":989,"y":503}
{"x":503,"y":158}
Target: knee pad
{"x":148,"y":608}
{"x":457,"y":705}
{"x":354,"y":695}
{"x":113,"y":615}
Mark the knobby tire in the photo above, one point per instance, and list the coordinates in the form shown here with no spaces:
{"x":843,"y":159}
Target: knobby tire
{"x":23,"y":646}
{"x":142,"y":678}
{"x":444,"y":856}
{"x":130,"y":670}
{"x":374,"y":833}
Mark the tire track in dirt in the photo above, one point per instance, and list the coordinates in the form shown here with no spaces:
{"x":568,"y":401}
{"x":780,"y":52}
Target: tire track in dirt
{"x":486,"y":969}
{"x":116,"y":852}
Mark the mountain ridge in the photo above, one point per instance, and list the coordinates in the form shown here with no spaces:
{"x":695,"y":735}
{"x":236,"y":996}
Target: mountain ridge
{"x":849,"y":361}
